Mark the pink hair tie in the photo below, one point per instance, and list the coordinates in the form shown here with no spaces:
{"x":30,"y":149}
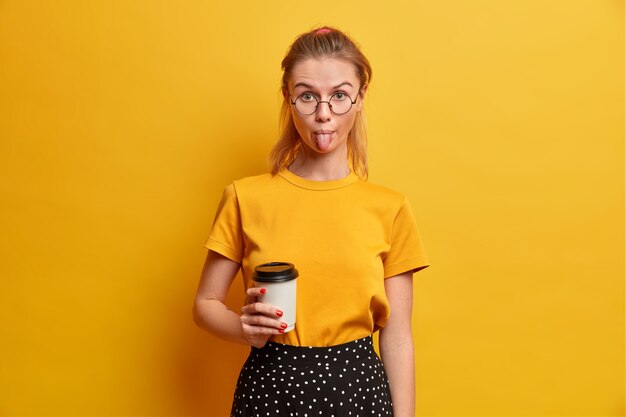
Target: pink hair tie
{"x":322,"y":31}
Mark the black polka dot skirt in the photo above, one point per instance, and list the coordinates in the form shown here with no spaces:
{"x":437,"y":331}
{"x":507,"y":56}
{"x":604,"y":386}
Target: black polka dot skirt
{"x":342,"y":380}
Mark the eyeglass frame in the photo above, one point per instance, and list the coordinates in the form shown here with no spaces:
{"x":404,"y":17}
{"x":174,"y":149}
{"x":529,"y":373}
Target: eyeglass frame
{"x":324,"y":101}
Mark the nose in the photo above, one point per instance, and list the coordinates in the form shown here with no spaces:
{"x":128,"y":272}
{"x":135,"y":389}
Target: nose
{"x":323,"y":113}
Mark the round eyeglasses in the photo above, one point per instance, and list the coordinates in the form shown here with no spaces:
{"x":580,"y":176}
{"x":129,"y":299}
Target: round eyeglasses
{"x":338,"y":103}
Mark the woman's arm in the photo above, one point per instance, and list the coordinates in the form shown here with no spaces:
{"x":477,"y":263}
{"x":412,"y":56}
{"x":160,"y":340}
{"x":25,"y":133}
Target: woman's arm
{"x":257,"y":322}
{"x":396,"y":344}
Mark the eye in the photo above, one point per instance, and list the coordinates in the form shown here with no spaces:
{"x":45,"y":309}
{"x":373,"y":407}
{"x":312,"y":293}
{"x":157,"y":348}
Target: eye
{"x":307,"y":97}
{"x":340,"y":96}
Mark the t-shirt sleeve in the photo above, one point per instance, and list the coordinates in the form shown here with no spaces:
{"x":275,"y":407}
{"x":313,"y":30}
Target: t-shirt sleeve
{"x":406,"y":252}
{"x":226,"y":236}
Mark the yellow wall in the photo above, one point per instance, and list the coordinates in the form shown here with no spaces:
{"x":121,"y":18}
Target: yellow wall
{"x":121,"y":122}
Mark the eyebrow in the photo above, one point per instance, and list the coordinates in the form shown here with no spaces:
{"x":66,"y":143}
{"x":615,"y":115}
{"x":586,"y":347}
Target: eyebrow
{"x":305,"y":85}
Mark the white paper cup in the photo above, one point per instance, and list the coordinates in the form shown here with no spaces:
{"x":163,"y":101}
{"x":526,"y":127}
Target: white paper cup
{"x":279,"y":279}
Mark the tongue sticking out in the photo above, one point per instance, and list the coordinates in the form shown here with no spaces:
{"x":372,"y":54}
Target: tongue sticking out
{"x":323,"y":140}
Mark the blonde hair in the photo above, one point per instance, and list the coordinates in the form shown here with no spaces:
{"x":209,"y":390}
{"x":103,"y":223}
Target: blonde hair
{"x":324,"y":42}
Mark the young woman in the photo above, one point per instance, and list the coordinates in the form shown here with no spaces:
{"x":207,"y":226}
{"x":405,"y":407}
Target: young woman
{"x":355,"y":245}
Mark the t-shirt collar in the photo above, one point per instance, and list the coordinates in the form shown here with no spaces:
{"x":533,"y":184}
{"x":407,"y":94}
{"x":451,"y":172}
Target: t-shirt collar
{"x":318,"y":185}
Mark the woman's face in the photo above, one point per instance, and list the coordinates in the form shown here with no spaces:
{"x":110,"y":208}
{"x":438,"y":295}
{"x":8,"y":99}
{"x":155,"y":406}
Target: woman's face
{"x":324,"y":132}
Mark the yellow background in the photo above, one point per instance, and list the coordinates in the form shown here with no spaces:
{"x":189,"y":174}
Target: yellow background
{"x":122,"y":121}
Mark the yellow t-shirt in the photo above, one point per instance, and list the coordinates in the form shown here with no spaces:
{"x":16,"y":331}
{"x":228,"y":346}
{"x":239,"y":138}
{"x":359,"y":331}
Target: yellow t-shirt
{"x":344,"y":236}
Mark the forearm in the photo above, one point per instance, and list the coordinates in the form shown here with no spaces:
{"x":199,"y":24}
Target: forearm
{"x":213,"y":316}
{"x":397,"y":355}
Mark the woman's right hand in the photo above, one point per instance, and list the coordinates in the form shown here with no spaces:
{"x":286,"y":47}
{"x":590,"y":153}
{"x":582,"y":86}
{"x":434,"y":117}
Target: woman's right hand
{"x":260,"y":321}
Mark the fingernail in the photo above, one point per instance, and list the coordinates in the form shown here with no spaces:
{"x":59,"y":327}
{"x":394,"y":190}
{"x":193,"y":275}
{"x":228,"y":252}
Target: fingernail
{"x":283,"y":325}
{"x":279,"y":313}
{"x":281,"y":330}
{"x":263,"y":290}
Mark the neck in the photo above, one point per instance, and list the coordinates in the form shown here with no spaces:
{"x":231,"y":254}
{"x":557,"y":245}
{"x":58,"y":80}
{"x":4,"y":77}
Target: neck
{"x":318,"y":167}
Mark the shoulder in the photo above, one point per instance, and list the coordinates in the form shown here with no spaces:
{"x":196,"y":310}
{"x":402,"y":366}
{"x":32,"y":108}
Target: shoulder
{"x":233,"y":189}
{"x":252,"y":181}
{"x":381,"y":193}
{"x":254,"y":185}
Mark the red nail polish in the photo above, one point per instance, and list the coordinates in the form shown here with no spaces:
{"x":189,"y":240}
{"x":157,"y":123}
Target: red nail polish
{"x":279,"y":313}
{"x":263,"y":290}
{"x":283,"y":325}
{"x":281,"y":331}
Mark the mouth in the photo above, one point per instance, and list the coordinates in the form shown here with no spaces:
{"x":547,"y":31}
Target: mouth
{"x":323,"y":139}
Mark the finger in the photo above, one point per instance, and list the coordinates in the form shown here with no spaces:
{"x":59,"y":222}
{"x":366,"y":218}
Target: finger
{"x":262,"y":308}
{"x":251,"y":329}
{"x":253,"y":293}
{"x":263,"y":321}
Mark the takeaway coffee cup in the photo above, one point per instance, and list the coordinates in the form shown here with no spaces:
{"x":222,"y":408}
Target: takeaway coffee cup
{"x":279,"y":278}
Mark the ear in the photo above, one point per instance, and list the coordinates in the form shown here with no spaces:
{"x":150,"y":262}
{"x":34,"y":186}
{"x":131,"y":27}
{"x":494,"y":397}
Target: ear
{"x":362,"y":92}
